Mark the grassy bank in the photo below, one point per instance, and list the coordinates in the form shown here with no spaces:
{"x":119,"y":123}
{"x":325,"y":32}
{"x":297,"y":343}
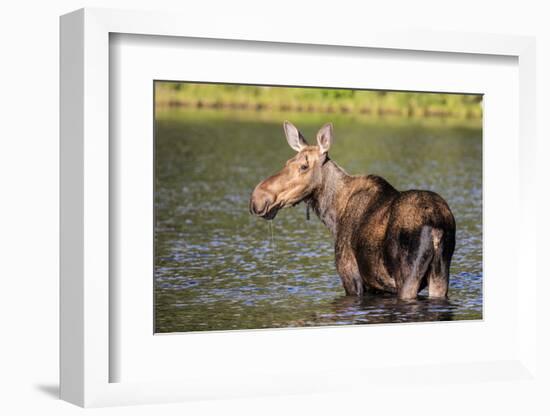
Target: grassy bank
{"x":242,"y":97}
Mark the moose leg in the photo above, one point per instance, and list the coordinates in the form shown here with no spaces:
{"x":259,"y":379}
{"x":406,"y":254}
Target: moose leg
{"x":438,"y":277}
{"x":414,"y":264}
{"x":438,"y":283}
{"x":347,"y":268}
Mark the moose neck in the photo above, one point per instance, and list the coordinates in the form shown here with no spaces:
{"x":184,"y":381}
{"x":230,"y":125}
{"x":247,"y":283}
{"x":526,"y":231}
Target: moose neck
{"x":324,"y":200}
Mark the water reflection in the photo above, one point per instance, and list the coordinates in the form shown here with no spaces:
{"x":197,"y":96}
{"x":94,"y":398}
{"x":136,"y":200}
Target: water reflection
{"x":381,"y":309}
{"x":219,"y":268}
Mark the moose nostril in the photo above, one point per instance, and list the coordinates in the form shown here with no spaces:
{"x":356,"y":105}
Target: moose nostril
{"x":260,"y":201}
{"x":259,"y":205}
{"x":255,"y":207}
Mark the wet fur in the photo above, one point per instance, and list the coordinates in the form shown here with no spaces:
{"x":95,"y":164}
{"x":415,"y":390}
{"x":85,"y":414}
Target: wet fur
{"x":385,"y":240}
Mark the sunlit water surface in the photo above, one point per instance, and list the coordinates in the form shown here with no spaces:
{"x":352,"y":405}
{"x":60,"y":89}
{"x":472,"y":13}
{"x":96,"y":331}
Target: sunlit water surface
{"x":219,"y":268}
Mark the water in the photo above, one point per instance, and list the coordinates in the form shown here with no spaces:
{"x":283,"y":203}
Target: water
{"x":219,"y":268}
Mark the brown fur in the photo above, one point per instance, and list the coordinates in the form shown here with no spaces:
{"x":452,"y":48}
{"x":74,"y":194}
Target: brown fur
{"x":385,"y":240}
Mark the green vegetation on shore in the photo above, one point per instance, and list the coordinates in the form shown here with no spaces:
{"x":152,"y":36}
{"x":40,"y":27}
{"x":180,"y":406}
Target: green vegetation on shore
{"x":324,"y":100}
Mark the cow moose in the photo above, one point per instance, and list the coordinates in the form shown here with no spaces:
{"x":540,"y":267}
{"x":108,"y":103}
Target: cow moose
{"x":385,"y":240}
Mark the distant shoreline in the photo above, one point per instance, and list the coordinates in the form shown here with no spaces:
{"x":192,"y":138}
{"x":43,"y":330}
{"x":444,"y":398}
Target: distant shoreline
{"x":329,"y":109}
{"x":318,"y":100}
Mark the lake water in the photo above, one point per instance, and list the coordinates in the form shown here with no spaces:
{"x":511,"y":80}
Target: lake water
{"x":219,"y":268}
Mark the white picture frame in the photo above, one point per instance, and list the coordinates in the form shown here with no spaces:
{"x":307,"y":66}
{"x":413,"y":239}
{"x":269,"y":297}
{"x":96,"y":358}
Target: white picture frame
{"x":86,"y":356}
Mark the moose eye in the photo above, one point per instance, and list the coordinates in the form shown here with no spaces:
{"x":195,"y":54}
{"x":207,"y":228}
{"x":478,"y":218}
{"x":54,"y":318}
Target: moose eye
{"x":303,"y":167}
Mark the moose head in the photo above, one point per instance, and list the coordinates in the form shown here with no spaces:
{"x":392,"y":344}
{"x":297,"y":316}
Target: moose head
{"x":298,"y":179}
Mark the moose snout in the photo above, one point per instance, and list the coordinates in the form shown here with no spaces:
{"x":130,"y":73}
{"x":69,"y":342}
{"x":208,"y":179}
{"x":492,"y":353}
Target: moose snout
{"x":260,"y":201}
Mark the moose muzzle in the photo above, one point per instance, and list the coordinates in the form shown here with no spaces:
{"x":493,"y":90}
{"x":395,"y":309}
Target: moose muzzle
{"x":261,"y":202}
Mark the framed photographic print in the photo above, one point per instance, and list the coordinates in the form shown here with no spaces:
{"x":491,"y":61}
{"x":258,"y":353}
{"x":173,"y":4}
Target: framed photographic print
{"x":240,"y":213}
{"x":219,"y":268}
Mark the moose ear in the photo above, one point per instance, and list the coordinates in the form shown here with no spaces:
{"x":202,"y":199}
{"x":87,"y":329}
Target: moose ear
{"x":325,"y":138}
{"x":294,"y":137}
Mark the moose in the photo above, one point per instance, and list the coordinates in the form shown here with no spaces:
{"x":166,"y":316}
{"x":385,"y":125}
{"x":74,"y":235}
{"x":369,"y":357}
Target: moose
{"x":385,"y":240}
